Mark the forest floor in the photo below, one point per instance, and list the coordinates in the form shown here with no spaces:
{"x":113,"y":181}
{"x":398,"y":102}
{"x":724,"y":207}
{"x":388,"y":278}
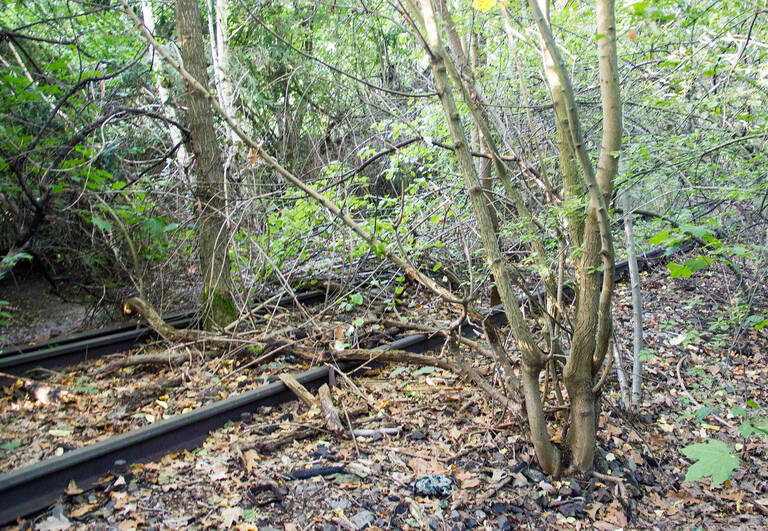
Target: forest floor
{"x":36,"y":312}
{"x":704,"y":376}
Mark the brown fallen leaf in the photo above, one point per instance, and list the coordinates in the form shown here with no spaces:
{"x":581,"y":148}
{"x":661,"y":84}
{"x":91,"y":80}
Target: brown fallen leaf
{"x":82,"y":510}
{"x":424,"y":468}
{"x":73,"y":489}
{"x":128,"y":525}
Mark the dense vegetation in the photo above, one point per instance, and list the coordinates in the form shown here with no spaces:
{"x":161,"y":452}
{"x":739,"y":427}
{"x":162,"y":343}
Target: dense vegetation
{"x":481,"y":150}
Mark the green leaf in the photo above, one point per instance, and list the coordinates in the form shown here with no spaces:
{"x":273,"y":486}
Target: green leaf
{"x":154,"y":227}
{"x":697,"y":231}
{"x":423,"y":370}
{"x":677,"y":271}
{"x":746,"y":429}
{"x":356,"y":299}
{"x":702,"y":412}
{"x":713,"y":458}
{"x":10,"y":445}
{"x":695,"y":264}
{"x":397,"y":371}
{"x":483,"y":5}
{"x":739,"y":411}
{"x":101,"y":223}
{"x":659,"y":238}
{"x":751,"y":403}
{"x":760,"y":423}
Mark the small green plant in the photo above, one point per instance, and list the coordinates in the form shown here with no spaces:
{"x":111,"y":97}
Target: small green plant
{"x":686,"y":338}
{"x":348,"y":303}
{"x":751,"y":425}
{"x":5,"y":316}
{"x":715,"y":458}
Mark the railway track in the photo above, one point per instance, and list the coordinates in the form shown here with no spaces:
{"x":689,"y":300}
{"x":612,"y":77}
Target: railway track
{"x":35,"y":487}
{"x":93,"y":344}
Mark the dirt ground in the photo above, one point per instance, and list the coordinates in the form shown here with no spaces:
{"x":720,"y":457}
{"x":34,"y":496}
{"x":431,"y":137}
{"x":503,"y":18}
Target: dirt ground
{"x":36,"y":312}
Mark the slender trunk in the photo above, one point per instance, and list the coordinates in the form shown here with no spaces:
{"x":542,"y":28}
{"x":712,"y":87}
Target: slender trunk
{"x":592,"y":326}
{"x":533,"y":358}
{"x":637,"y":307}
{"x":218,"y":304}
{"x":219,"y":37}
{"x":621,"y":376}
{"x":162,"y":92}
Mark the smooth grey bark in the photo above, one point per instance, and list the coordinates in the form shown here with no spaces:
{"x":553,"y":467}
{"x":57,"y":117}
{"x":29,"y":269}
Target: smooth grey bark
{"x":637,"y":307}
{"x":162,"y":92}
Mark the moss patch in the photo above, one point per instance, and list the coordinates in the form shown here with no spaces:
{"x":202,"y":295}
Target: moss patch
{"x":220,"y":309}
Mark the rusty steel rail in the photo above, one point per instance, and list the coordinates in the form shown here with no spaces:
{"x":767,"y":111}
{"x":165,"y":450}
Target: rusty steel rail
{"x":35,"y":487}
{"x":93,"y":344}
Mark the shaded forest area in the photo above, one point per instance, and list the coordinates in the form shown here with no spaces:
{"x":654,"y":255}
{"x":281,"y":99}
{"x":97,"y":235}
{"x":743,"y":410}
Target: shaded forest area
{"x":593,"y":172}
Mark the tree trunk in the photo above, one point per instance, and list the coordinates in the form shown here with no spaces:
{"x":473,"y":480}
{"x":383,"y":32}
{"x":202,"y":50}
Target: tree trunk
{"x":592,"y":326}
{"x":533,"y":359}
{"x":218,"y":304}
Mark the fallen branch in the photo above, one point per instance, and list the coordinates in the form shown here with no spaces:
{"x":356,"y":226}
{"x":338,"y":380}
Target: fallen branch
{"x":45,"y":393}
{"x":331,"y":416}
{"x":305,"y":431}
{"x":137,"y":306}
{"x":299,"y":390}
{"x":482,"y":383}
{"x":368,"y":432}
{"x":145,"y":359}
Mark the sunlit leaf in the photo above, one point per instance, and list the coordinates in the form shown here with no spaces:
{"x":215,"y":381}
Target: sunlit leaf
{"x":484,"y":5}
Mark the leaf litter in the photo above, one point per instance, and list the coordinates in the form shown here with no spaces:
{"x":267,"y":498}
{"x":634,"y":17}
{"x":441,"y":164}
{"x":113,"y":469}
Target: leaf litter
{"x":426,"y":427}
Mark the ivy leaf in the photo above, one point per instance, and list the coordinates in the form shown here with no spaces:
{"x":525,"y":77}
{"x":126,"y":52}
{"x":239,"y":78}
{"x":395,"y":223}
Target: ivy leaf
{"x":713,"y":458}
{"x":484,"y":5}
{"x":356,"y":299}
